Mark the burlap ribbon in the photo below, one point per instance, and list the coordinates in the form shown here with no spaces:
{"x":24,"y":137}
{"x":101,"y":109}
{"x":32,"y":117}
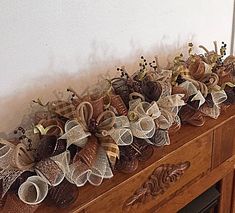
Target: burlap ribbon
{"x":217,"y":93}
{"x":168,"y":106}
{"x":10,"y":156}
{"x":6,"y":152}
{"x":105,"y":127}
{"x":149,"y":119}
{"x":33,"y":191}
{"x":200,"y":84}
{"x":106,"y":124}
{"x":218,"y":97}
{"x":79,"y":173}
{"x":193,"y":91}
{"x":16,"y":159}
{"x":141,"y":115}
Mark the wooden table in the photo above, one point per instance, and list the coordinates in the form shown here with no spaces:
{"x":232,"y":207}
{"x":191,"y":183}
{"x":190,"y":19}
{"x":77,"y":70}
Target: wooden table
{"x":196,"y":159}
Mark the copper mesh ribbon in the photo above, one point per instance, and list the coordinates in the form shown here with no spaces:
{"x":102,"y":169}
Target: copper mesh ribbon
{"x":49,"y":170}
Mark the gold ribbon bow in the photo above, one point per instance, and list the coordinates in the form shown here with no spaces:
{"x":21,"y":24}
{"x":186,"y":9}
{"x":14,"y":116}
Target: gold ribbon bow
{"x":52,"y":127}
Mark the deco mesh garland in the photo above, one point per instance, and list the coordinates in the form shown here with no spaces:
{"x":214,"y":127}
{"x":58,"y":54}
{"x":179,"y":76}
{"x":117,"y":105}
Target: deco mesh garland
{"x":66,"y":143}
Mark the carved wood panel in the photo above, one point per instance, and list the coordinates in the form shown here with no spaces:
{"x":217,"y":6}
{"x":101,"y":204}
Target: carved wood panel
{"x":158,"y":182}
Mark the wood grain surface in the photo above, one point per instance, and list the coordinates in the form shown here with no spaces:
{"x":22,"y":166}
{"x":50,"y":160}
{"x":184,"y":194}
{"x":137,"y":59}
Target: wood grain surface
{"x":190,"y":143}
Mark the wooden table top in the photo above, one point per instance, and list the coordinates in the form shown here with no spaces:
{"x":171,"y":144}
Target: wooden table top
{"x":187,"y":133}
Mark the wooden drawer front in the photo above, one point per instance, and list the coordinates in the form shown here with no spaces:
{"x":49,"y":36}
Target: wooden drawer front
{"x":224,"y":142}
{"x":159,"y":182}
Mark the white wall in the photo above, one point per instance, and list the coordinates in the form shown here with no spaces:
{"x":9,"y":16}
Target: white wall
{"x":45,"y":43}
